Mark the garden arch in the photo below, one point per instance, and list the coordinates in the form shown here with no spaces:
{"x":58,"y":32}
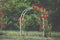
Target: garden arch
{"x":44,"y":16}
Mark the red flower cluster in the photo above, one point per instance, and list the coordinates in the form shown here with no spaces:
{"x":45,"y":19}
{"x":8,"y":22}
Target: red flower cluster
{"x":37,"y":6}
{"x":45,"y":17}
{"x":46,"y":10}
{"x":43,"y":13}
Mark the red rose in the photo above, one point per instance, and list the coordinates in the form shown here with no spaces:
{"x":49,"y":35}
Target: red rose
{"x":35,"y":5}
{"x":43,"y":13}
{"x":46,"y":18}
{"x":42,"y":17}
{"x":46,"y":10}
{"x":43,"y":8}
{"x":39,"y":7}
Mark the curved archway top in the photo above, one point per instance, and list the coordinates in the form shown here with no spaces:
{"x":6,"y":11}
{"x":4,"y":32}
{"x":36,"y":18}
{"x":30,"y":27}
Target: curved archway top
{"x":36,"y":7}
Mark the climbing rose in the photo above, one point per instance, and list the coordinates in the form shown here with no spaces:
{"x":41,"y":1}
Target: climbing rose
{"x":46,"y":18}
{"x":39,"y":7}
{"x":42,"y":17}
{"x":46,"y":10}
{"x":35,"y":5}
{"x":42,"y":13}
{"x":46,"y":15}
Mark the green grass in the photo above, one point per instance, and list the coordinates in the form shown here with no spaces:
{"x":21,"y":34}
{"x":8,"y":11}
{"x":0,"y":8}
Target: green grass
{"x":16,"y":35}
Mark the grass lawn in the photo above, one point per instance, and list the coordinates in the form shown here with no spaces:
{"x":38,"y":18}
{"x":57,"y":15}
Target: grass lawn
{"x":16,"y":35}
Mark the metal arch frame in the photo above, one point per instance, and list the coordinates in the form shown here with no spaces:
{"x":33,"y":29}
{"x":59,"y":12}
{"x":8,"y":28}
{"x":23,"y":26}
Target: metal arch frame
{"x":23,"y":14}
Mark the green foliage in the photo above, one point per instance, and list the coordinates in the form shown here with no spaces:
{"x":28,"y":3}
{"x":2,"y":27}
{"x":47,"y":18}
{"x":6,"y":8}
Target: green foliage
{"x":31,"y":21}
{"x":14,"y":9}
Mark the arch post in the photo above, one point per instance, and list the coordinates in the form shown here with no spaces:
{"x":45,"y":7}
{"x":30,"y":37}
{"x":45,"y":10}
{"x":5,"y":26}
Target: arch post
{"x":22,"y":16}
